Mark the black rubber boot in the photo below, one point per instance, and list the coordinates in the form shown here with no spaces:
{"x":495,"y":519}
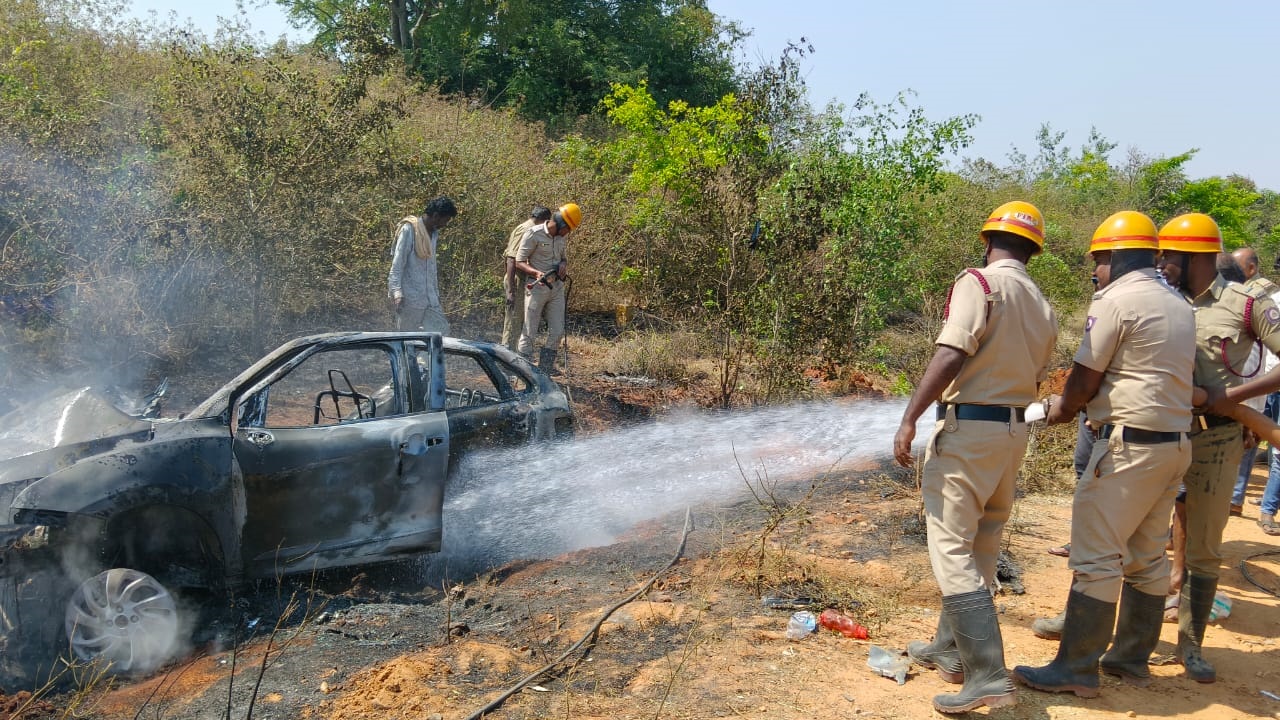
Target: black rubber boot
{"x":547,"y":361}
{"x":1049,"y":628}
{"x":941,"y":654}
{"x":973,"y":621}
{"x":1193,"y":616}
{"x":1137,"y":634}
{"x":1085,"y":636}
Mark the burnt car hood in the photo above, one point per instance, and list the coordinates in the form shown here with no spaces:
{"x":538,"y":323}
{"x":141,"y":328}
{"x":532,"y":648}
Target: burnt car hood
{"x":52,"y":433}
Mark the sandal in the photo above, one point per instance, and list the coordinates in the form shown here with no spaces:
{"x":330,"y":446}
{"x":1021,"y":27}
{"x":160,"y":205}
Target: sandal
{"x":1063,"y":550}
{"x":1269,"y":525}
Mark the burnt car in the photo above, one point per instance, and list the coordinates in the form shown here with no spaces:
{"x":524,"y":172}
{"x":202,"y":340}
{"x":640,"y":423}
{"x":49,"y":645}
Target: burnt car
{"x":331,"y":451}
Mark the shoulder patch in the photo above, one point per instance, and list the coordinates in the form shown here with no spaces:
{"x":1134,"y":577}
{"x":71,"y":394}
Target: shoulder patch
{"x":1272,"y":315}
{"x":1252,"y":291}
{"x":1088,"y":323}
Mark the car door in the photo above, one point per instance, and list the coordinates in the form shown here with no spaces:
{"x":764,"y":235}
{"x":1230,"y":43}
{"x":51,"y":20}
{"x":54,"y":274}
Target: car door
{"x":483,"y":409}
{"x":338,"y":469}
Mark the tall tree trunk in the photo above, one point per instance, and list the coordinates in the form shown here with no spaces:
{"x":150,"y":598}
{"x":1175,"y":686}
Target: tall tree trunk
{"x":400,"y":24}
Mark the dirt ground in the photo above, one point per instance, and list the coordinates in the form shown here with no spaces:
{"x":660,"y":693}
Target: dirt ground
{"x":700,"y":643}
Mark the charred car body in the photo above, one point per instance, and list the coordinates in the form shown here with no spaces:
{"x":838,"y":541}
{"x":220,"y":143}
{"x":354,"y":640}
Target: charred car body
{"x":331,"y":451}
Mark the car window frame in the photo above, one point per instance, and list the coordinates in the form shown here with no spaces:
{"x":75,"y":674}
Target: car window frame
{"x":490,"y":365}
{"x":254,"y":392}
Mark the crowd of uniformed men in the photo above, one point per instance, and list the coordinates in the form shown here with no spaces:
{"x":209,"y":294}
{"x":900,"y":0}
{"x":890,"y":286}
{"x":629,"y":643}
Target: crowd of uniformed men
{"x":1162,"y":326}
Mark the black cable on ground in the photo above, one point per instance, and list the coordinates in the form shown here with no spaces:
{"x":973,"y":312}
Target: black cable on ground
{"x":1244,"y":570}
{"x":593,"y":632}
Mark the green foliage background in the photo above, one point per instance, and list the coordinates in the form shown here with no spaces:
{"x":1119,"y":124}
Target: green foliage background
{"x":169,"y":196}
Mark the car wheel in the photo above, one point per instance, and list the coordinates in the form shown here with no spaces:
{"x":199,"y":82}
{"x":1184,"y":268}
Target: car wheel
{"x":124,"y":618}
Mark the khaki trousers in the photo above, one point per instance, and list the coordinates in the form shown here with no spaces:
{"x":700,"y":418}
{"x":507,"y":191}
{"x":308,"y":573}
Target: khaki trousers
{"x":970,"y":467}
{"x":1215,"y":460}
{"x":513,"y":319}
{"x":540,"y":299}
{"x":1120,"y":516}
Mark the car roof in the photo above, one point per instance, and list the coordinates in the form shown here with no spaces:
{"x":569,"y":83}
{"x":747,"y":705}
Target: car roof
{"x":217,"y":403}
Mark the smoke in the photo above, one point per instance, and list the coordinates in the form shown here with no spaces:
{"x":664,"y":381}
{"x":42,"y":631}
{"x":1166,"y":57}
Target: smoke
{"x":540,"y":501}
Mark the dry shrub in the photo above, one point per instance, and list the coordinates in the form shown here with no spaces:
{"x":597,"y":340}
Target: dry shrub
{"x":785,"y":569}
{"x":1047,"y":466}
{"x":661,"y":356}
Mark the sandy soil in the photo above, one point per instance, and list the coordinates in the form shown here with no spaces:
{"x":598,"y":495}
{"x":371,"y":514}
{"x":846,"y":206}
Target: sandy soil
{"x":699,"y":644}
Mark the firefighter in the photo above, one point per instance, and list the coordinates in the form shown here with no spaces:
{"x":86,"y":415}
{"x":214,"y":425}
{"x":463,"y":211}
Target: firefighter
{"x":542,"y":257}
{"x":1133,"y":374}
{"x":1230,"y":320}
{"x":993,"y":351}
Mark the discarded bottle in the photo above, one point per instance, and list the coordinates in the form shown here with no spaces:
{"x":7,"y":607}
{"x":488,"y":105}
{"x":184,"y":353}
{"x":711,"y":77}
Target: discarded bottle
{"x":801,"y":624}
{"x":843,"y":624}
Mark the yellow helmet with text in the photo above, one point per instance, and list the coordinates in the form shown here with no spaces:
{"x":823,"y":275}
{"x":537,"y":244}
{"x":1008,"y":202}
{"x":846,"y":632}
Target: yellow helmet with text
{"x":1017,"y":217}
{"x":1193,"y":233}
{"x":571,"y":214}
{"x":1125,"y":230}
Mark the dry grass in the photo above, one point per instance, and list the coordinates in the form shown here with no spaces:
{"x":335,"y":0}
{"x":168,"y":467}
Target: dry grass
{"x":665,"y":357}
{"x":1047,"y":468}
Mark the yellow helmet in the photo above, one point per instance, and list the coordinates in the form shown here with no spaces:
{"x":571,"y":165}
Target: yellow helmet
{"x":1125,"y":230}
{"x":1193,"y":233}
{"x":571,"y":214}
{"x":1017,"y":217}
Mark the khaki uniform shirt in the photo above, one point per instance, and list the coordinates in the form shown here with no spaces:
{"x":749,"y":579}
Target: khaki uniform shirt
{"x":513,"y":241}
{"x":1263,"y":284}
{"x":1257,"y":356}
{"x":543,"y":252}
{"x":1142,"y":336}
{"x":1008,"y":335}
{"x":1220,"y":324}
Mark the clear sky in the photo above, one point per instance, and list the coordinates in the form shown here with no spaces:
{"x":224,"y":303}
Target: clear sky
{"x":1161,"y":76}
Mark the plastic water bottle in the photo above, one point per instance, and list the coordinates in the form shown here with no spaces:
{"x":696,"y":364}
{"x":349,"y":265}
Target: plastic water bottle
{"x":843,"y":624}
{"x":801,"y":624}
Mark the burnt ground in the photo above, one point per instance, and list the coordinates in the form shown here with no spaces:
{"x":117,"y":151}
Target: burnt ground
{"x":699,"y":644}
{"x":404,"y":642}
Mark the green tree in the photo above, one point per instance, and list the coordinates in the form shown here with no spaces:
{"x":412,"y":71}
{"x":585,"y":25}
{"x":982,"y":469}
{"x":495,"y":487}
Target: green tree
{"x":1229,"y":201}
{"x":853,"y":202}
{"x":549,"y":58}
{"x":837,"y":202}
{"x":679,"y":166}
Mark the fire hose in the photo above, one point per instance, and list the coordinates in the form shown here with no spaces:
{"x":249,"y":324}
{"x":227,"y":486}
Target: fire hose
{"x":594,"y":632}
{"x":1244,"y":570}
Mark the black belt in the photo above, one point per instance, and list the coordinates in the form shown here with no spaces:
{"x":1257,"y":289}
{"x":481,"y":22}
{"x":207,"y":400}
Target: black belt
{"x":1215,"y":420}
{"x":1140,"y":436}
{"x":993,"y":413}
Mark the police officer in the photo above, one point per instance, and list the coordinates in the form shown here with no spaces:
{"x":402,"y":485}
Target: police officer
{"x":1230,"y":319}
{"x":1246,"y":262}
{"x":1133,"y":374}
{"x":513,"y":282}
{"x":542,"y":257}
{"x":994,"y":349}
